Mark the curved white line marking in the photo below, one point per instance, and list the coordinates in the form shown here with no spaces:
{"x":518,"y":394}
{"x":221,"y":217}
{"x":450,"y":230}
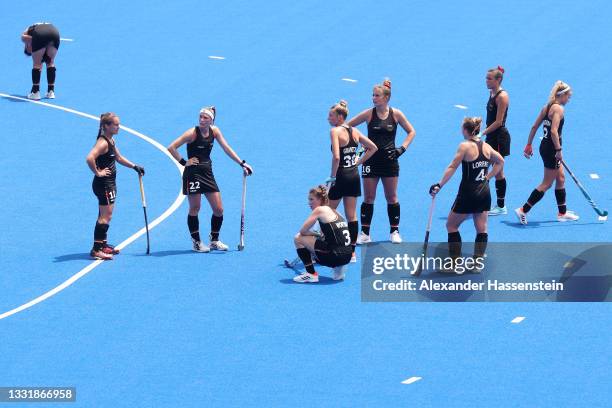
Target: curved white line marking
{"x":91,"y":266}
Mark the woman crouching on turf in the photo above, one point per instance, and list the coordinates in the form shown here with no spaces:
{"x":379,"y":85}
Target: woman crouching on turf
{"x":42,"y":40}
{"x":345,"y":181}
{"x":198,"y":176}
{"x":474,"y":197}
{"x":101,"y":160}
{"x":332,"y":247}
{"x":553,"y":117}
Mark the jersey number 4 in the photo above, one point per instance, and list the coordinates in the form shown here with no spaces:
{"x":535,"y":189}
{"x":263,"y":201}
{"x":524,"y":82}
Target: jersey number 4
{"x":481,"y":176}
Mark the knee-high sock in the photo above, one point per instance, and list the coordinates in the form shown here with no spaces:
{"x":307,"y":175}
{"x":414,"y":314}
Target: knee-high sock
{"x":367,"y":210}
{"x":535,"y":196}
{"x":194,"y":226}
{"x":393,"y":211}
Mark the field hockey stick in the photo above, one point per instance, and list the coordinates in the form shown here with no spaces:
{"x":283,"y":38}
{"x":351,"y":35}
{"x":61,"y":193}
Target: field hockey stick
{"x":241,"y":244}
{"x":418,"y":271}
{"x":144,"y":208}
{"x":600,"y":212}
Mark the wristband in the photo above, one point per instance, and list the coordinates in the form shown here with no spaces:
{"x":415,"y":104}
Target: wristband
{"x":558,"y":150}
{"x":182,"y":162}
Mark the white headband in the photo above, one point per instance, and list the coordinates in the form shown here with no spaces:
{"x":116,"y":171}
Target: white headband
{"x":209,"y":112}
{"x":563,"y":91}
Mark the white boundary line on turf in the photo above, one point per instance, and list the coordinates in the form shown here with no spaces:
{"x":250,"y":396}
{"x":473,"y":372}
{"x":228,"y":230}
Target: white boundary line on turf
{"x":67,"y":39}
{"x":411,"y":380}
{"x":175,"y":205}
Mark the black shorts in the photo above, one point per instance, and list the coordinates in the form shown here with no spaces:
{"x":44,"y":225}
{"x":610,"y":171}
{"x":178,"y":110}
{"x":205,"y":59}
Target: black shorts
{"x":106,"y":193}
{"x":500,"y":141}
{"x":43,"y":35}
{"x":332,"y":256}
{"x":547,"y":153}
{"x":386,"y":168}
{"x":199,"y":179}
{"x":472,"y":200}
{"x":348,"y":184}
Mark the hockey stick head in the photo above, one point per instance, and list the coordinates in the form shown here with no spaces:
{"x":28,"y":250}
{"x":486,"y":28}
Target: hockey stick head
{"x":240,"y":247}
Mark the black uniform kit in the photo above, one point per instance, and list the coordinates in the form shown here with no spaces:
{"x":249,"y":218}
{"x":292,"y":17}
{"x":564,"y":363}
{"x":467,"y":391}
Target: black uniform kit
{"x":547,"y":148}
{"x":42,"y":34}
{"x":474,"y":195}
{"x":199,"y":178}
{"x":382,"y":133}
{"x":334,"y":248}
{"x":500,"y":138}
{"x":347,"y":182}
{"x":105,"y":188}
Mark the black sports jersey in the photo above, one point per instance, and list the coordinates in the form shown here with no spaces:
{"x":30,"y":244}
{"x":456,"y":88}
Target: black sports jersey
{"x":473,"y":173}
{"x":201,"y":146}
{"x":348,"y":152}
{"x":547,"y":123}
{"x":336,"y":233}
{"x":107,"y":160}
{"x":41,"y":28}
{"x":492,"y":110}
{"x":382,"y":133}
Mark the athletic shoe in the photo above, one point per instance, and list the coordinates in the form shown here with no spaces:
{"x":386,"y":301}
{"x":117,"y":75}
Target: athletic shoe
{"x":307,"y":278}
{"x":109,"y":249}
{"x":522,"y":217}
{"x":339,"y":272}
{"x":354,"y":258}
{"x":198,"y":246}
{"x":218,"y":246}
{"x":363,"y":238}
{"x":568,"y":216}
{"x":395,"y":237}
{"x":50,"y":95}
{"x":35,"y":96}
{"x":498,"y":210}
{"x":100,"y":255}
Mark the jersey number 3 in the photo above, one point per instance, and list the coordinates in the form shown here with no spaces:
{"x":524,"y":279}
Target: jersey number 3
{"x":347,"y":237}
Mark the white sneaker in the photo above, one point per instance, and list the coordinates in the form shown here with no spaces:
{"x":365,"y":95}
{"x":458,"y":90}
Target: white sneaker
{"x":339,"y":272}
{"x":218,"y":246}
{"x":395,"y":237}
{"x":354,"y":258}
{"x":363,"y":238}
{"x":198,"y":246}
{"x":307,"y":278}
{"x":522,"y":217}
{"x":50,"y":95}
{"x":35,"y":96}
{"x":498,"y":210}
{"x":568,"y":216}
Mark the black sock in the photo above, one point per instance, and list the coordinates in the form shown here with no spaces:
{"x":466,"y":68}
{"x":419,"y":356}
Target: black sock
{"x":481,"y":244}
{"x":393,"y":211}
{"x":454,"y":244}
{"x":353,"y":227}
{"x":560,"y":196}
{"x":50,"y":78}
{"x":194,"y":227}
{"x":306,"y":258}
{"x":35,"y":80}
{"x":215,"y":227}
{"x":535,"y":196}
{"x":367,"y":210}
{"x":100,"y":233}
{"x":500,"y":189}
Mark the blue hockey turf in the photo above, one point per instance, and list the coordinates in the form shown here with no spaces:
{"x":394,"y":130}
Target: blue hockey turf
{"x":182,"y":329}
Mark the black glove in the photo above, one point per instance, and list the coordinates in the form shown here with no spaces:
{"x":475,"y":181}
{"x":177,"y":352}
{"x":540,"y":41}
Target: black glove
{"x":395,"y":153}
{"x":433,"y":187}
{"x":245,"y":166}
{"x":139,"y":170}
